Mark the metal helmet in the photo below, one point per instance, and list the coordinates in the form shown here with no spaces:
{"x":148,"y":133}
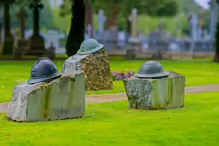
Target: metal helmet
{"x":151,"y":69}
{"x":89,"y":46}
{"x":43,"y":70}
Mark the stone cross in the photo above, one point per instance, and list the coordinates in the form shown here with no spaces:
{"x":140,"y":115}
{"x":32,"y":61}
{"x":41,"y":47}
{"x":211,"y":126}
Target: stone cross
{"x":101,"y":20}
{"x":194,"y":23}
{"x":36,"y":5}
{"x":133,"y":18}
{"x":22,"y":16}
{"x":89,"y":30}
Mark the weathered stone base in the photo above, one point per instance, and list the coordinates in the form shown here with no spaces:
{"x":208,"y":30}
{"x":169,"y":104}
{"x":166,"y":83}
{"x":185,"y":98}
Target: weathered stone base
{"x":163,"y":93}
{"x":96,"y":67}
{"x":62,"y":98}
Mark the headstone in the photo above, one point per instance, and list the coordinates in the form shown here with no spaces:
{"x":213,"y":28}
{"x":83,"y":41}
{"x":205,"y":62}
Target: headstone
{"x":101,"y":20}
{"x":133,"y":18}
{"x":62,"y":98}
{"x":89,"y":30}
{"x":52,"y":51}
{"x":53,"y":37}
{"x":194,"y":23}
{"x":17,"y":51}
{"x":134,"y":44}
{"x":37,"y":46}
{"x":153,"y":88}
{"x":93,"y":59}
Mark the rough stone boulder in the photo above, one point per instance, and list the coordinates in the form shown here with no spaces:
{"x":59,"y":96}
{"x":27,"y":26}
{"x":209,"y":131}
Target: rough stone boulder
{"x":96,"y":67}
{"x":61,"y":98}
{"x":160,"y":93}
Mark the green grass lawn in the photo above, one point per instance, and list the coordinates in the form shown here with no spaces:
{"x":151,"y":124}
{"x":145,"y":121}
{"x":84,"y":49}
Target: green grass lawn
{"x":197,"y":72}
{"x":114,"y":124}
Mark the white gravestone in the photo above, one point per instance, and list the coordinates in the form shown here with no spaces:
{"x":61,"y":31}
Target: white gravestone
{"x":194,"y":23}
{"x":89,"y":30}
{"x":101,"y":20}
{"x":53,"y":37}
{"x":133,"y":18}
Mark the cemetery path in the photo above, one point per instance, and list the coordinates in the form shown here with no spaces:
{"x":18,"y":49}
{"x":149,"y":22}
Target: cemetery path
{"x":103,"y":98}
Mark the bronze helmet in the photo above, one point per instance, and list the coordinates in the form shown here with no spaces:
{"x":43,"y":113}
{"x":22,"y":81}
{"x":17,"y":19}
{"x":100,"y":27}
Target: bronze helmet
{"x":44,"y":70}
{"x":151,"y":69}
{"x":89,"y":46}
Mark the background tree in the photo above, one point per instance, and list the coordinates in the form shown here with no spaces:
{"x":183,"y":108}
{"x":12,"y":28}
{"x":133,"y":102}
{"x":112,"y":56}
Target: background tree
{"x":216,"y":59}
{"x":148,"y":7}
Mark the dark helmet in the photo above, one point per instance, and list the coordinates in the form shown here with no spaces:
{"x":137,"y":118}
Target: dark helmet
{"x":89,"y":46}
{"x":43,"y":70}
{"x":151,"y":69}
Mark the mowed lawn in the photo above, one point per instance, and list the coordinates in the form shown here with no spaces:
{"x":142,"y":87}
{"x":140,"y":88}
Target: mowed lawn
{"x":197,"y":72}
{"x":114,"y":124}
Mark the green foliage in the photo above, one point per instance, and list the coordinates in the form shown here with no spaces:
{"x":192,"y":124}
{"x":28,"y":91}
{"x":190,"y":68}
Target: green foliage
{"x":148,"y":7}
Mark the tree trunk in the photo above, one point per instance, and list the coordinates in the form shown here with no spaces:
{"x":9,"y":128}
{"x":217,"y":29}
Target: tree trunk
{"x":89,"y":14}
{"x":112,"y":21}
{"x":216,"y":59}
{"x":77,"y":30}
{"x":8,"y":43}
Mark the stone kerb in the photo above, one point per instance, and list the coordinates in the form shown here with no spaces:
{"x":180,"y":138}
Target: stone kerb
{"x":61,"y":98}
{"x":160,"y":93}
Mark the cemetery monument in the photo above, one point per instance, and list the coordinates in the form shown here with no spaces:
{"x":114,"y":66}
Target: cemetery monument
{"x":48,"y":95}
{"x":154,"y":88}
{"x":101,"y":20}
{"x":36,"y":41}
{"x":93,"y":59}
{"x":134,"y":44}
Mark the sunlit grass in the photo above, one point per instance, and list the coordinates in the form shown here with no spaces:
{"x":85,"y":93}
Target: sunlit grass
{"x":115,"y":124}
{"x":197,"y":72}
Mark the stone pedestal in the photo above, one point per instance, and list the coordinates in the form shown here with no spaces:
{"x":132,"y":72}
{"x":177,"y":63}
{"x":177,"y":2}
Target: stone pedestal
{"x":161,"y":93}
{"x":96,"y":67}
{"x":37,"y":47}
{"x":133,"y":48}
{"x":61,"y":98}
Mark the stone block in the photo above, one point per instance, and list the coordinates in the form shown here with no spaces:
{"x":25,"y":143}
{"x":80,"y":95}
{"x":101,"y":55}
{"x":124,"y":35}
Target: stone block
{"x":96,"y":67}
{"x":62,"y":98}
{"x":160,"y":93}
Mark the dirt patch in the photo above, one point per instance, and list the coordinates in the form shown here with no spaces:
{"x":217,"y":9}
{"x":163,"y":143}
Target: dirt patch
{"x":102,"y":98}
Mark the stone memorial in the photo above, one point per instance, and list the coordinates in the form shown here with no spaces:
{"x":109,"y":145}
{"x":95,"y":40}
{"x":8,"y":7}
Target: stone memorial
{"x":53,"y":37}
{"x":153,"y":88}
{"x":93,"y":59}
{"x":101,"y":21}
{"x":48,"y":95}
{"x":134,"y":43}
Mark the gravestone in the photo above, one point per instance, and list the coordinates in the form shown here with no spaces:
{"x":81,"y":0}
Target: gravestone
{"x":17,"y":50}
{"x":93,"y":59}
{"x":53,"y":37}
{"x":52,"y":51}
{"x":194,"y":35}
{"x":89,"y":31}
{"x":53,"y":97}
{"x":153,"y":88}
{"x":37,"y":46}
{"x":134,"y":44}
{"x":101,"y":21}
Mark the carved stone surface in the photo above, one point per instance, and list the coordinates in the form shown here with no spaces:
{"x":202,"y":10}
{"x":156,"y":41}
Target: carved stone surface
{"x":161,"y":93}
{"x":61,"y":98}
{"x":96,"y":67}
